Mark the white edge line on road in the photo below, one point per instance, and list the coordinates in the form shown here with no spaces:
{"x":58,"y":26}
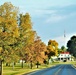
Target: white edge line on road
{"x":73,"y":67}
{"x":32,"y":73}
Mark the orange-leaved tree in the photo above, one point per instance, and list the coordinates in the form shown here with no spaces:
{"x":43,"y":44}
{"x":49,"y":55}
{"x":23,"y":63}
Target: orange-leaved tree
{"x":37,"y":52}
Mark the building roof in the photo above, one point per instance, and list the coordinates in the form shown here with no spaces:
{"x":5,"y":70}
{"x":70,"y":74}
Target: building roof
{"x":65,"y":53}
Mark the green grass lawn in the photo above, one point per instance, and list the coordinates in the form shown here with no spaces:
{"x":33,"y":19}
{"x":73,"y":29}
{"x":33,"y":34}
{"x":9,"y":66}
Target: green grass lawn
{"x":19,"y":71}
{"x":16,"y":71}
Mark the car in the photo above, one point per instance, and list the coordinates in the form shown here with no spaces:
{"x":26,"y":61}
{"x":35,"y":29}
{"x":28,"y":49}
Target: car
{"x":64,"y":60}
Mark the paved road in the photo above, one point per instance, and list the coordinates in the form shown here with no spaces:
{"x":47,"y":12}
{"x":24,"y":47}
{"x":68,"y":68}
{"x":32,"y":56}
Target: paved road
{"x":56,"y":70}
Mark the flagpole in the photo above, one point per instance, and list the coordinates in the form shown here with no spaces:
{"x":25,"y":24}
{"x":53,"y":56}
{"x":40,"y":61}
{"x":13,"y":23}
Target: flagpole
{"x":64,"y":39}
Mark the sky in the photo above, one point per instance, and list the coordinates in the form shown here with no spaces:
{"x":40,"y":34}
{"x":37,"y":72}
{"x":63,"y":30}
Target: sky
{"x":51,"y":18}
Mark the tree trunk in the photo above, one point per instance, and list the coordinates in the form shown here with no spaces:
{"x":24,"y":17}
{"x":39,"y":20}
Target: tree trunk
{"x":13,"y":65}
{"x":48,"y":61}
{"x":22,"y":63}
{"x":6,"y":64}
{"x":1,"y":67}
{"x":31,"y":65}
{"x":37,"y":64}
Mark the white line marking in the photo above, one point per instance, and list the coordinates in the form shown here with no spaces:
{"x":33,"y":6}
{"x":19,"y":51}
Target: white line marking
{"x":56,"y":73}
{"x":73,"y":67}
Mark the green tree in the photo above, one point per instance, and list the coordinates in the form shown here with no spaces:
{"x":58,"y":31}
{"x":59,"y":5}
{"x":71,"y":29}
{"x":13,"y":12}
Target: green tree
{"x":71,"y":45}
{"x":63,"y":48}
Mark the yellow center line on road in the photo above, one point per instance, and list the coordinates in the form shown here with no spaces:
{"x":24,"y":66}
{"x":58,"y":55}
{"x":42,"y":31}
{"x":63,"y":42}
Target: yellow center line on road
{"x":56,"y":73}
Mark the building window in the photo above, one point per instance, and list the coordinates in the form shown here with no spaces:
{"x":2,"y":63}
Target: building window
{"x":61,"y":55}
{"x":61,"y":58}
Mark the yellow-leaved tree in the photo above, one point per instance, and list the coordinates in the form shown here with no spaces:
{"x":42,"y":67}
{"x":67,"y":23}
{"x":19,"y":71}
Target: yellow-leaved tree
{"x":27,"y":35}
{"x":52,"y":49}
{"x":9,"y":32}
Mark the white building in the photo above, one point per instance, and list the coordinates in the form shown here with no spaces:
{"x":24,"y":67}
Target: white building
{"x":65,"y":56}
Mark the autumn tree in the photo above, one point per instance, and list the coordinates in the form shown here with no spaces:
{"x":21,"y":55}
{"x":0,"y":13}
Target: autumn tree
{"x":52,"y":49}
{"x":8,"y":28}
{"x":18,"y":40}
{"x":9,"y":31}
{"x":36,"y":52}
{"x":39,"y":48}
{"x":15,"y":33}
{"x":27,"y":34}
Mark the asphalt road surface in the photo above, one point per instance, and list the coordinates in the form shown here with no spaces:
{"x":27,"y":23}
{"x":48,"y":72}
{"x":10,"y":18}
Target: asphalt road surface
{"x":56,"y":70}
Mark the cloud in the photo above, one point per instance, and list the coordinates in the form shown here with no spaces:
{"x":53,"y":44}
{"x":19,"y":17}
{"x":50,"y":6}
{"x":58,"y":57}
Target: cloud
{"x":61,"y":3}
{"x":55,"y":18}
{"x":72,"y":14}
{"x":44,"y":11}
